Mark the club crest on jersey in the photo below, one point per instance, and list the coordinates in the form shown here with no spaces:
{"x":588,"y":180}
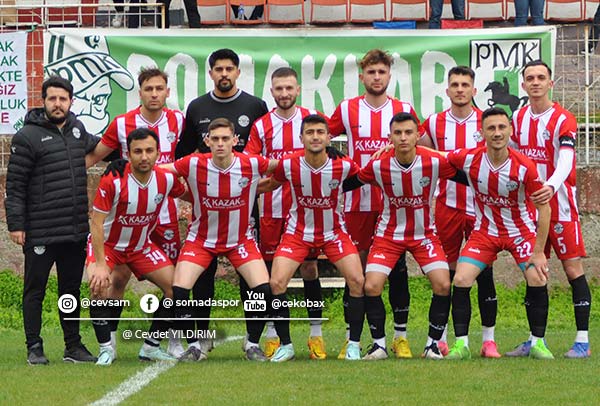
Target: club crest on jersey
{"x":546,"y":135}
{"x":497,"y":64}
{"x":424,"y":181}
{"x":146,"y":250}
{"x":76,"y":133}
{"x":519,"y":240}
{"x":334,"y":184}
{"x":512,"y":185}
{"x":169,"y":234}
{"x":171,"y":136}
{"x":425,"y":242}
{"x":39,"y":249}
{"x":243,"y":120}
{"x":159,"y":198}
{"x":477,"y":136}
{"x":558,"y":228}
{"x":243,"y":182}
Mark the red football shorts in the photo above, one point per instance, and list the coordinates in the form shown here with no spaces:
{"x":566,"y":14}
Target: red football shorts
{"x":167,"y":237}
{"x":453,"y":227}
{"x":149,"y":259}
{"x":271,"y":230}
{"x":566,"y":239}
{"x":361,"y":226}
{"x":293,"y":247}
{"x":482,"y":249}
{"x":243,"y":253}
{"x":428,"y":253}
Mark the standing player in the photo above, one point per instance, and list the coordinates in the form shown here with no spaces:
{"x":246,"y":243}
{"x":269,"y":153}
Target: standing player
{"x":408,"y":177}
{"x":125,"y":211}
{"x":365,"y":120}
{"x":225,"y":100}
{"x":274,"y":135}
{"x":242,"y":109}
{"x":223,"y":186}
{"x":503,"y":181}
{"x":168,"y":125}
{"x":455,"y":128}
{"x":315,"y":222}
{"x":545,"y":132}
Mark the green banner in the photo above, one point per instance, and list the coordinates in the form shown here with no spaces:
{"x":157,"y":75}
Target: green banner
{"x":103,"y":66}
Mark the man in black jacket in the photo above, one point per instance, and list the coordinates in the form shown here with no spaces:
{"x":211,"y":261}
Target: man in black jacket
{"x":47,"y":212}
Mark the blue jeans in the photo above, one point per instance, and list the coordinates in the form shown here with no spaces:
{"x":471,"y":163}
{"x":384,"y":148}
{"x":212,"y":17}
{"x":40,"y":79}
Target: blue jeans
{"x":522,"y":9}
{"x":436,"y":7}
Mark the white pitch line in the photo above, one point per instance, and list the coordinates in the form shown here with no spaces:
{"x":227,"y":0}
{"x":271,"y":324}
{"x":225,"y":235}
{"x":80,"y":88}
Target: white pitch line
{"x":142,"y":378}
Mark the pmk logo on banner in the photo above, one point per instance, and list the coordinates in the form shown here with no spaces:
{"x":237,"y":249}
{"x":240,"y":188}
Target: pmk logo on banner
{"x":497,"y":65}
{"x":90,"y":68}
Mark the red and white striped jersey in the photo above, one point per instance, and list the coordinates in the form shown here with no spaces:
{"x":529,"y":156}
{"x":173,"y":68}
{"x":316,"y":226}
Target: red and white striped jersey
{"x":222,"y":198}
{"x":274,"y":137}
{"x":168,"y":128}
{"x":133,"y":208}
{"x":501,"y":194}
{"x":540,"y":137}
{"x":316,"y":213}
{"x":407,"y":193}
{"x":449,"y":133}
{"x":368,"y":130}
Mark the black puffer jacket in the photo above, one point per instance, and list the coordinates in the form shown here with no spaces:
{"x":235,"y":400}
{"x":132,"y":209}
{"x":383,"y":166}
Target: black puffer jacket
{"x":46,"y":182}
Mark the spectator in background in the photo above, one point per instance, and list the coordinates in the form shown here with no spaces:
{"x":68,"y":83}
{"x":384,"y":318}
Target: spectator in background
{"x":191,"y":8}
{"x":47,"y":212}
{"x":133,"y":18}
{"x":257,"y":13}
{"x":437,"y":6}
{"x":595,"y":34}
{"x":524,"y":7}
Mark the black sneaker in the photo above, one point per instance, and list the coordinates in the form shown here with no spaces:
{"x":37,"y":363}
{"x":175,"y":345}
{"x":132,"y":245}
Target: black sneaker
{"x":77,"y":354}
{"x":192,"y":354}
{"x":376,"y":352}
{"x":254,"y":353}
{"x":432,"y":352}
{"x":35,"y":355}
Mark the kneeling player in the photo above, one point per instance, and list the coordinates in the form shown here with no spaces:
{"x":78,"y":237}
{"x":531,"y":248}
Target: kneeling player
{"x":503,"y":181}
{"x":315,"y":222}
{"x":125,"y":211}
{"x":407,"y":177}
{"x":223,"y":188}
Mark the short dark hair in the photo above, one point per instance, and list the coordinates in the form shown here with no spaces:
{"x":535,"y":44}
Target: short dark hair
{"x":494,"y":111}
{"x":376,"y":56}
{"x":537,"y":62}
{"x":284,"y":72}
{"x":142,"y":134}
{"x":224,"y":53}
{"x":57,"y":81}
{"x":401,"y":117}
{"x":462,"y":70}
{"x":150,"y":72}
{"x":313,"y":119}
{"x":220,"y":123}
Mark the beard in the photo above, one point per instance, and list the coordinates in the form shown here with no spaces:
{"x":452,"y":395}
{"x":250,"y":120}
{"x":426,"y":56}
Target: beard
{"x":54,"y":119}
{"x":374,"y":92}
{"x":224,"y":85}
{"x":285,"y":104}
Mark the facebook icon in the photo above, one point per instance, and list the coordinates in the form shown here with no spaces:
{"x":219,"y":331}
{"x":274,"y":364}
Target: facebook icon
{"x":149,"y":303}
